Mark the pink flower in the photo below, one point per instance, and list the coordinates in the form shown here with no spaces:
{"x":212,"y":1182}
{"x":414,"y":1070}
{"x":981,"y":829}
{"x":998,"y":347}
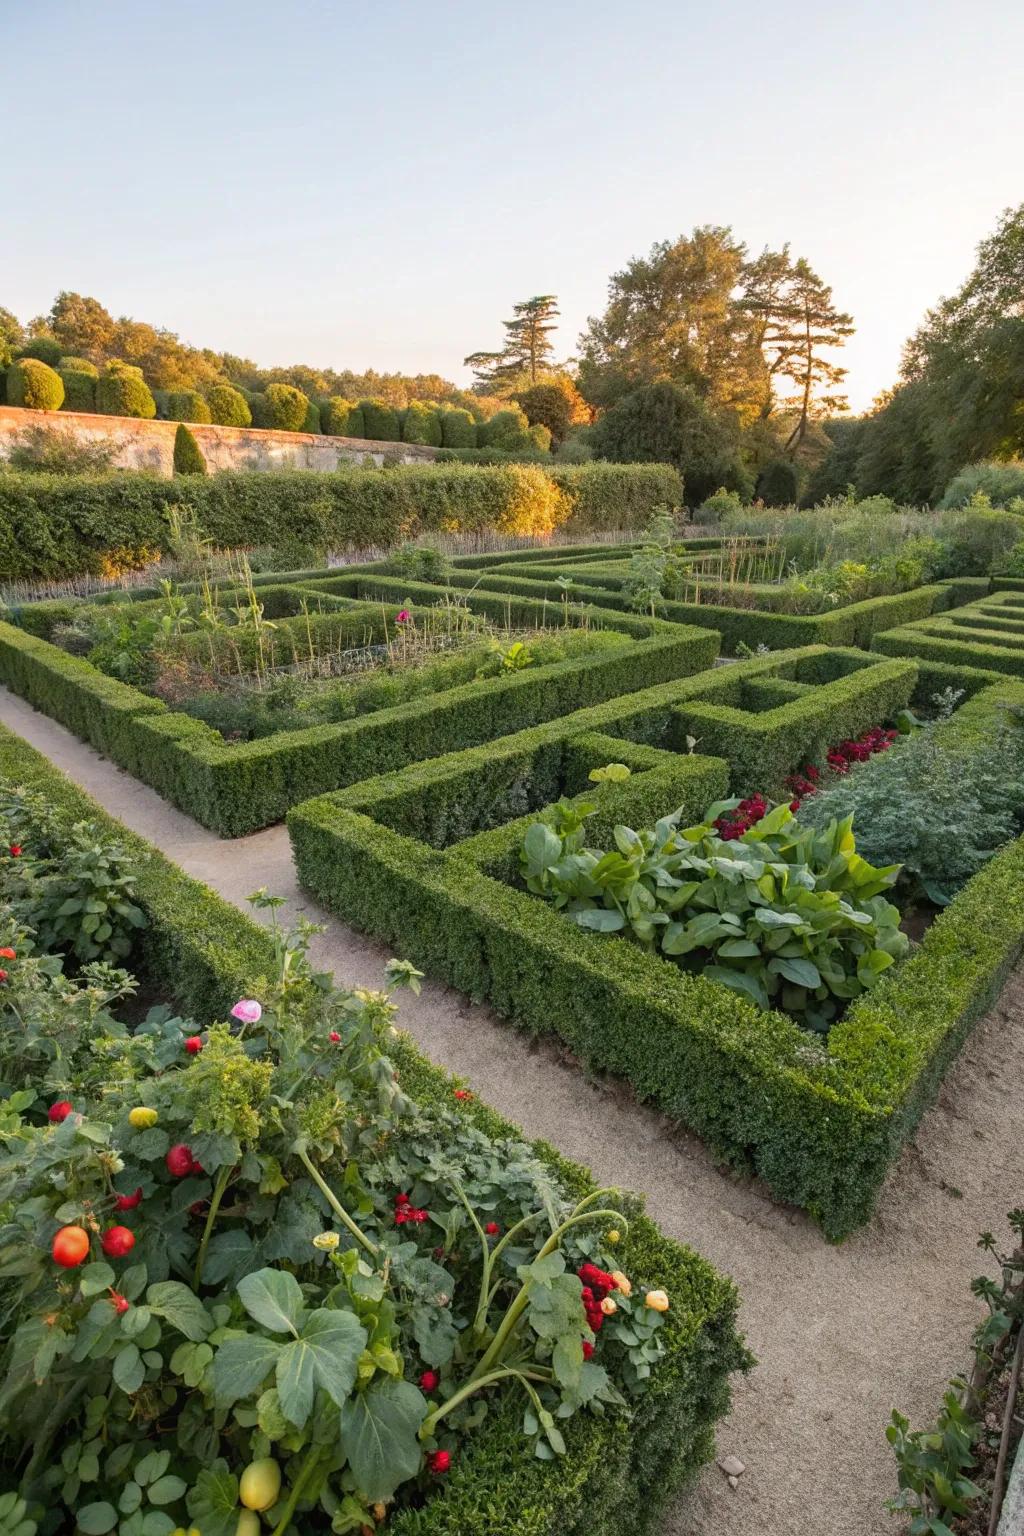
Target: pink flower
{"x":402,"y":616}
{"x":248,"y":1010}
{"x":334,"y":1037}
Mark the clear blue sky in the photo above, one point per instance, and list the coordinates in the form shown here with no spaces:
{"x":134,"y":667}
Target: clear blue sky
{"x":373,"y":184}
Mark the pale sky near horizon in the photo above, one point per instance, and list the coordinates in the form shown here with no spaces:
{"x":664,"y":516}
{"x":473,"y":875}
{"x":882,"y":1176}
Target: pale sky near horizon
{"x":374,"y":185}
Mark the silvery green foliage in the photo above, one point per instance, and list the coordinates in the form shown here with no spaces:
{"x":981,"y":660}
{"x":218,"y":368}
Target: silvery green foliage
{"x":937,"y":804}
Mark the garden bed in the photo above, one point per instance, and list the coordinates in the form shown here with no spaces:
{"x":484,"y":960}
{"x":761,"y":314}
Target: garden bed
{"x":821,"y":1121}
{"x":239,"y":787}
{"x":202,"y":954}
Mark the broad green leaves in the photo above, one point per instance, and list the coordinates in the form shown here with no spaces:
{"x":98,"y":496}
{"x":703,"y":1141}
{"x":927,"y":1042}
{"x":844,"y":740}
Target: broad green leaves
{"x":274,"y":1298}
{"x":379,"y":1430}
{"x":785,"y":915}
{"x":321,"y":1349}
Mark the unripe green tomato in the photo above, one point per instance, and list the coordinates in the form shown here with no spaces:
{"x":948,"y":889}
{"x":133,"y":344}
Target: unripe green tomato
{"x":260,"y":1484}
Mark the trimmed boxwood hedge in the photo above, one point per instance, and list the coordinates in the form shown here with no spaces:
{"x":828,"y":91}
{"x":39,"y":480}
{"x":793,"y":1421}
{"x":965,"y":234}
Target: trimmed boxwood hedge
{"x":973,"y":636}
{"x":852,"y":625}
{"x":57,"y":526}
{"x":821,"y":1122}
{"x":237,"y":788}
{"x":202,"y":954}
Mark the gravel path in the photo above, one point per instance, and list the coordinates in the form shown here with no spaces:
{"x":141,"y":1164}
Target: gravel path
{"x":842,"y":1335}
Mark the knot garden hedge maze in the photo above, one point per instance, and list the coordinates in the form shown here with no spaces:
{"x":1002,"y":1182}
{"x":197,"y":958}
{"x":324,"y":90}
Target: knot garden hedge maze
{"x":407,"y":822}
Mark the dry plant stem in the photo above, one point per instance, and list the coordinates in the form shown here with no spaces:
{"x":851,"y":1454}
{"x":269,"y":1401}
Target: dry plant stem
{"x":1004,"y":1441}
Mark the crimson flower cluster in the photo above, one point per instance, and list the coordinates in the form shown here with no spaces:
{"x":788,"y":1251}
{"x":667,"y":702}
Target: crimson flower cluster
{"x":734,"y":823}
{"x":839,"y":759}
{"x":597,"y":1284}
{"x":406,"y":1211}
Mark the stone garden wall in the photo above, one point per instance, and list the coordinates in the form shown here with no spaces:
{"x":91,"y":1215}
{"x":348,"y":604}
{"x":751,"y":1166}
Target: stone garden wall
{"x":150,"y":444}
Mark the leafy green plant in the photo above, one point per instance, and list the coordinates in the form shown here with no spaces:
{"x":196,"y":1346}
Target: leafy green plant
{"x":250,"y":1237}
{"x":937,"y":803}
{"x":784,"y":914}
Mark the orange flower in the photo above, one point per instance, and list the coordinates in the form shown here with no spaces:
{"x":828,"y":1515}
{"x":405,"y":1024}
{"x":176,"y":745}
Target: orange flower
{"x":622,"y":1282}
{"x":609,"y":1306}
{"x":657,"y":1301}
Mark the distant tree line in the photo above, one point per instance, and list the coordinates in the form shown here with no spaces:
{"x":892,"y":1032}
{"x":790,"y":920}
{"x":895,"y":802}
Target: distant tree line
{"x":960,"y":396}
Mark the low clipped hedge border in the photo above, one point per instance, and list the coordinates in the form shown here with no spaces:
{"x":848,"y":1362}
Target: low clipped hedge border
{"x":963,"y":638}
{"x":852,"y":625}
{"x":821,"y":1123}
{"x":56,"y":526}
{"x":236,"y":788}
{"x":202,"y":954}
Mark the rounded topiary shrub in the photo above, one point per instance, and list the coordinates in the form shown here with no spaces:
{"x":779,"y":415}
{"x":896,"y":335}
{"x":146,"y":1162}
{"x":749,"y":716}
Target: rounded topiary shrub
{"x":286,"y":407}
{"x":78,"y":365}
{"x":356,"y":426}
{"x":187,"y":405}
{"x":421,"y":424}
{"x":79,"y":389}
{"x":312,"y":421}
{"x":458,"y":429}
{"x":124,"y":392}
{"x":44,"y":349}
{"x":188,"y":457}
{"x":34,"y":385}
{"x":380,"y":421}
{"x":777,"y":484}
{"x":334,"y":416}
{"x":256,"y":400}
{"x":228,"y":407}
{"x":508,"y":430}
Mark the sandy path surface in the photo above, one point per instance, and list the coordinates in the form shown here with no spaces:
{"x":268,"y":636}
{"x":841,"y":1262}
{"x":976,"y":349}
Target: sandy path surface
{"x":842,"y":1335}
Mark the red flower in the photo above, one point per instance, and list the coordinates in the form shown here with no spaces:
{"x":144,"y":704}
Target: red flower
{"x":462,"y":1093}
{"x":596,"y":1280}
{"x":179,"y":1161}
{"x":3,"y":975}
{"x":438,"y":1462}
{"x":7,"y":954}
{"x":193,"y":1045}
{"x":15,"y":850}
{"x":492,"y":1229}
{"x":119,"y":1303}
{"x":794,"y":805}
{"x":588,"y":1349}
{"x":117,"y":1241}
{"x":402,"y":1200}
{"x":129,"y":1202}
{"x":418,"y":1216}
{"x":429,"y":1381}
{"x":59,"y":1111}
{"x":334,"y":1037}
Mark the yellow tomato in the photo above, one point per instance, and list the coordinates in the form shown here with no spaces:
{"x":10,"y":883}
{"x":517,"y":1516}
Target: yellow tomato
{"x":142,"y":1119}
{"x":260,"y":1484}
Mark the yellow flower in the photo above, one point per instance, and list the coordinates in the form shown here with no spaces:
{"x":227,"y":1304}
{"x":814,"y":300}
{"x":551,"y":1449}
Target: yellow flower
{"x":142,"y":1118}
{"x":622,"y":1282}
{"x":613,"y":1237}
{"x":609,"y":1305}
{"x":657,"y":1301}
{"x":327,"y":1241}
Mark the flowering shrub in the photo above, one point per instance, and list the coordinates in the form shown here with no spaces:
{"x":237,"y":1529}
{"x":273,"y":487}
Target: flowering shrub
{"x":787,"y":916}
{"x":264,"y":1253}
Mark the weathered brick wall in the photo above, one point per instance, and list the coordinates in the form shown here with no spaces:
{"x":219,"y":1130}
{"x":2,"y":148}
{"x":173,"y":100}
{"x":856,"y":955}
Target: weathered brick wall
{"x":150,"y":444}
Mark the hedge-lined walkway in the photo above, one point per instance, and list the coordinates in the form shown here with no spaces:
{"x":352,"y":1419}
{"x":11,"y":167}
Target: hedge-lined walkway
{"x":843,"y":1335}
